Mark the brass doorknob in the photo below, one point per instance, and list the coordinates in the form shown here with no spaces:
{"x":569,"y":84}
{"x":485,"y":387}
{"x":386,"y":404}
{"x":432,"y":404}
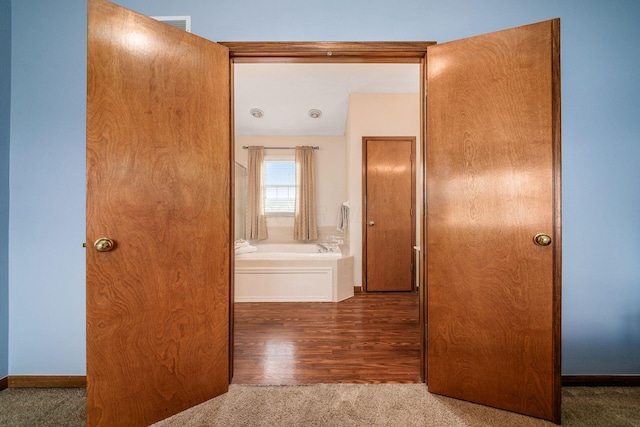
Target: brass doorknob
{"x":103,"y":244}
{"x":372,"y":223}
{"x":542,"y":239}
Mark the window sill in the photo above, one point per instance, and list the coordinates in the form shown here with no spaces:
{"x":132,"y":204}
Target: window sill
{"x":279,"y":215}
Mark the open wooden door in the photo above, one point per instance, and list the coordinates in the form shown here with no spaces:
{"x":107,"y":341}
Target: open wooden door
{"x":158,"y":185}
{"x":493,"y":184}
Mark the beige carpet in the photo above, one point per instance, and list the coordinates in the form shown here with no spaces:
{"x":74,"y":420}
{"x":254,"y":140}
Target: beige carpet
{"x":333,"y":405}
{"x":42,"y":407}
{"x":394,"y":405}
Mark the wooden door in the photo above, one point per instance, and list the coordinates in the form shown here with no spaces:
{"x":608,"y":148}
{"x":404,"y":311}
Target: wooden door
{"x":158,"y":184}
{"x":389,"y":230}
{"x":493,"y":183}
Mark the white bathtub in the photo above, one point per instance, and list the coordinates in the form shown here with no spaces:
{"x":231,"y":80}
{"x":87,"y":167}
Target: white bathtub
{"x":292,"y":273}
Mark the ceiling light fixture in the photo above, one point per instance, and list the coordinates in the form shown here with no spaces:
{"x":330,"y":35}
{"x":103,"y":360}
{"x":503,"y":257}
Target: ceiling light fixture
{"x":257,"y":113}
{"x":315,"y":114}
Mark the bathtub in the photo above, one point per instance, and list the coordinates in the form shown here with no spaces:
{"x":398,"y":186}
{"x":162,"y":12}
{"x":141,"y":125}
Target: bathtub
{"x":292,"y":272}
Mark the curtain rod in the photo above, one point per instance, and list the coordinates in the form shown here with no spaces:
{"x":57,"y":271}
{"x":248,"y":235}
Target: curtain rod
{"x":245,"y":147}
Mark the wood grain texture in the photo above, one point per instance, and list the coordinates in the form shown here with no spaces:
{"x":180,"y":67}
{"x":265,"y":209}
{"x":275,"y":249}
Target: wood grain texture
{"x":389,"y":203}
{"x":333,"y":50}
{"x":493,"y":183}
{"x":370,"y":338}
{"x":158,"y":183}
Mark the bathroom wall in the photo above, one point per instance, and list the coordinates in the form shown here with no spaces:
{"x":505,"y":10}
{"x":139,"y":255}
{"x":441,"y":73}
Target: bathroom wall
{"x":375,"y":115}
{"x":330,"y":179}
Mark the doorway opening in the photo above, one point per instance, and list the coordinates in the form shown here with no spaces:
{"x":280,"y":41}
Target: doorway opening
{"x":336,"y":160}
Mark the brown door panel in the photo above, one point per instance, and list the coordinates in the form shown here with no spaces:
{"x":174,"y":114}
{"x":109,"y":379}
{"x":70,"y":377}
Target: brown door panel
{"x":493,"y":183}
{"x":158,"y":185}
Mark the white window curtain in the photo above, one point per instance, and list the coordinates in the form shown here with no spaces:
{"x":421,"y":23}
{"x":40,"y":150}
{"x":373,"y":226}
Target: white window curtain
{"x":305,"y":225}
{"x":256,"y":223}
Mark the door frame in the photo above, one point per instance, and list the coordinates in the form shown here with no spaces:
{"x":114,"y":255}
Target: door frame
{"x":343,"y":52}
{"x":365,"y":229}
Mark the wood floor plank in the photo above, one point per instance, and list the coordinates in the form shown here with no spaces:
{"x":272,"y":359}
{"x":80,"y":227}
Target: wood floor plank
{"x":370,"y":338}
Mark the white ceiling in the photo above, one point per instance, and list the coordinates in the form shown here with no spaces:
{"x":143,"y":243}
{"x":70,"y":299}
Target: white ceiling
{"x":286,"y":93}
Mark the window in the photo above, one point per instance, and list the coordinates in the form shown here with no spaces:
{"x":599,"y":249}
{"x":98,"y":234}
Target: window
{"x":279,"y":186}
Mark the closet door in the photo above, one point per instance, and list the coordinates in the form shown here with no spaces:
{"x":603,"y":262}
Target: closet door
{"x":158,"y":210}
{"x":493,"y":220}
{"x":389,"y":230}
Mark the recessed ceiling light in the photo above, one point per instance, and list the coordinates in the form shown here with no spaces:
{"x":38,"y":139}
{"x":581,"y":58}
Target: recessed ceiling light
{"x":315,"y":114}
{"x":257,"y":113}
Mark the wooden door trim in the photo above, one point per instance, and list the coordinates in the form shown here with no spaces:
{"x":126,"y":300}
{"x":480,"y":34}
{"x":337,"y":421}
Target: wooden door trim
{"x":348,"y":52}
{"x":232,"y":227}
{"x":422,"y":289}
{"x":385,"y":52}
{"x":366,"y":139}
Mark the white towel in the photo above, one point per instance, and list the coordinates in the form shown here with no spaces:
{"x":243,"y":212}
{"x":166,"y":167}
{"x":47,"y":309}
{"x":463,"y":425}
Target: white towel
{"x":240,"y":243}
{"x":246,"y":249}
{"x":343,"y":218}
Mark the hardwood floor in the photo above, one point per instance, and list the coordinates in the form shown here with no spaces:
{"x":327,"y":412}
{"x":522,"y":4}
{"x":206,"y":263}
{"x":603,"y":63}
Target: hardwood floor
{"x":370,"y":338}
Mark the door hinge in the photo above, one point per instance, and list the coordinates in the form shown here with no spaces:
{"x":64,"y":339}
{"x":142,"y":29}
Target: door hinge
{"x":410,"y":211}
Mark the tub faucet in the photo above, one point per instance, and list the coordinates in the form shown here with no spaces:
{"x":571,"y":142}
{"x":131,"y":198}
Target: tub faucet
{"x":324,"y":248}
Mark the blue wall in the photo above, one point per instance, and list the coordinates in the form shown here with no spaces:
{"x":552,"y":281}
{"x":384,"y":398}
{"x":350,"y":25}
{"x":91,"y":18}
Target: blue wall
{"x":47,"y":199}
{"x":5,"y":108}
{"x":600,"y":93}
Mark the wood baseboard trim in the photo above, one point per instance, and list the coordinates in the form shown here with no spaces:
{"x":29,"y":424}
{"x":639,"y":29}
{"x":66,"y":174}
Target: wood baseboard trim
{"x":601,"y":380}
{"x":47,"y":381}
{"x":357,"y":289}
{"x":69,"y":381}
